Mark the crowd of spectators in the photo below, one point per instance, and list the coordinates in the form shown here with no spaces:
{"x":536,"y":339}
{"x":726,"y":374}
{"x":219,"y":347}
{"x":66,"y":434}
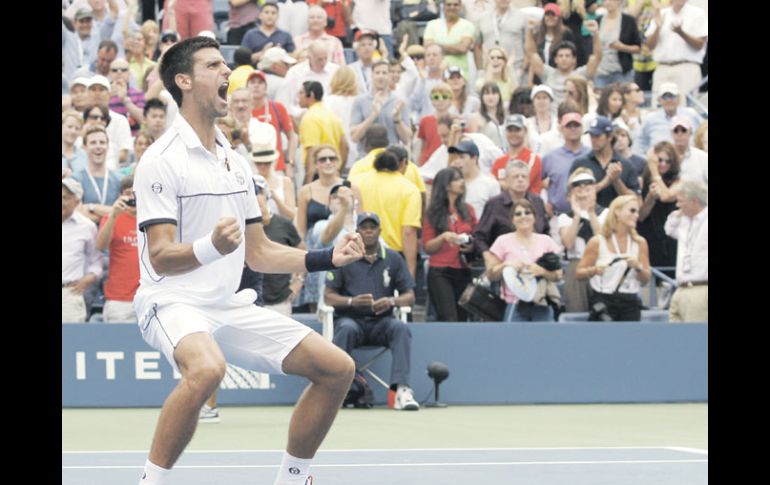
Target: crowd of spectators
{"x":485,"y":135}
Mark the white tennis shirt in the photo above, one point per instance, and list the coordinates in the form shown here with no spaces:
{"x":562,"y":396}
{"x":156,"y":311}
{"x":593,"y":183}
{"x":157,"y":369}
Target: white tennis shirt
{"x":178,"y":181}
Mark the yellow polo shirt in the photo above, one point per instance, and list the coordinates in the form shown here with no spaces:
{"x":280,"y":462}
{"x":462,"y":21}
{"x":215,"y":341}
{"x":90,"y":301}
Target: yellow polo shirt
{"x":366,"y":165}
{"x":395,"y":199}
{"x":238,"y":78}
{"x":319,"y":126}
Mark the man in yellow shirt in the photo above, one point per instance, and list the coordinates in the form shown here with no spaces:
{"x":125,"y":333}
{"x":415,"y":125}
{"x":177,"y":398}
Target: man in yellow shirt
{"x":396,"y":200}
{"x":375,"y":142}
{"x":319,"y":125}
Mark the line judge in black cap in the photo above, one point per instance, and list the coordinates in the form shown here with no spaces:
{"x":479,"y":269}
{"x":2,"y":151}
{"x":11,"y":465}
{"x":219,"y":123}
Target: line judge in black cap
{"x":362,"y":295}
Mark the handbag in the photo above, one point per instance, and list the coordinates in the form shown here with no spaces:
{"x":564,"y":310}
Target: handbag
{"x":482,"y":303}
{"x":419,"y":11}
{"x":599,"y":311}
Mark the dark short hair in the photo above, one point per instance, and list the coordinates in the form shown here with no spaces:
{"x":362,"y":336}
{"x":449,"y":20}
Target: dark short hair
{"x":153,"y":103}
{"x":386,"y":162}
{"x":315,"y":88}
{"x":126,"y":182}
{"x":376,"y":136}
{"x":565,"y":44}
{"x":242,"y":56}
{"x":399,"y":151}
{"x":178,"y":59}
{"x":108,"y":44}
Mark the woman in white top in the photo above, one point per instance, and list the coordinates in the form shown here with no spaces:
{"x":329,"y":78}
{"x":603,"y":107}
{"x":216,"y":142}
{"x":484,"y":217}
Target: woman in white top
{"x":617,"y":261}
{"x":344,"y":90}
{"x":491,"y":115}
{"x":633,"y":116}
{"x":576,"y":227}
{"x":543,"y":119}
{"x":280,"y":197}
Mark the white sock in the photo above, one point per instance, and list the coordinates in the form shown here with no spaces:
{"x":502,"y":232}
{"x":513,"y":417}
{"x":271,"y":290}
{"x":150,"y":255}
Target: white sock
{"x":293,"y":470}
{"x":153,"y":474}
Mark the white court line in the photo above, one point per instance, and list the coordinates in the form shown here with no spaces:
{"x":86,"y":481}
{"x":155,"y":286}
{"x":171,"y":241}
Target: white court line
{"x":371,"y":465}
{"x":688,"y":450}
{"x":397,"y":450}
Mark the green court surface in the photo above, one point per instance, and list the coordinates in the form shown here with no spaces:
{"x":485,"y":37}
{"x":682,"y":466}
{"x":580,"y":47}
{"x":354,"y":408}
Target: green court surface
{"x":515,"y":426}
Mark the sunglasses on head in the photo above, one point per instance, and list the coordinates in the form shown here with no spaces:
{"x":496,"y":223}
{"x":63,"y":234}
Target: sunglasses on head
{"x":438,"y":97}
{"x":522,"y":213}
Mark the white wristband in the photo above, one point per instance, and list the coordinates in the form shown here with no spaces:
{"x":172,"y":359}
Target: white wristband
{"x":205,"y":251}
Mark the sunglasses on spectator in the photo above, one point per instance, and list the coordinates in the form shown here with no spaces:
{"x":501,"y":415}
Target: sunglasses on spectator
{"x":668,"y":96}
{"x":168,"y":38}
{"x":95,"y":117}
{"x":417,"y":57}
{"x":679,"y":129}
{"x":438,"y":97}
{"x":118,"y":69}
{"x":522,"y":213}
{"x":664,"y":160}
{"x":496,"y":57}
{"x":331,"y":158}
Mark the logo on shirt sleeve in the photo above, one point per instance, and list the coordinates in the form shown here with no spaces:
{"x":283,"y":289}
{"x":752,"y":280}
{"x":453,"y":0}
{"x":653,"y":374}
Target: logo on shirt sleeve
{"x":157,"y":188}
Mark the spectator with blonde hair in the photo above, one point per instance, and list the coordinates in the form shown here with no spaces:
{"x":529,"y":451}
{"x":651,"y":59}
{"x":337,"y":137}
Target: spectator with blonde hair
{"x":313,"y":206}
{"x":498,"y":70}
{"x":617,"y":263}
{"x":344,"y":90}
{"x":73,"y":158}
{"x":427,"y":139}
{"x":576,"y":89}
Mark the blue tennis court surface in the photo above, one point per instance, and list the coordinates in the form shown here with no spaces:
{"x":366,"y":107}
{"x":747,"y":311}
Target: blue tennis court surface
{"x":530,"y":466}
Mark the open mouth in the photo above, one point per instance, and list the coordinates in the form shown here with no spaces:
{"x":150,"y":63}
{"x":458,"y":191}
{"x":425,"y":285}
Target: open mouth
{"x":222,"y":91}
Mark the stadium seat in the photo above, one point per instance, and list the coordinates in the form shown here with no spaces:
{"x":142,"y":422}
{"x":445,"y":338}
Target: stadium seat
{"x":326,"y":316}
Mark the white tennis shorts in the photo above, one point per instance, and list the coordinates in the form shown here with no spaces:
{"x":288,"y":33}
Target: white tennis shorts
{"x":251,"y":337}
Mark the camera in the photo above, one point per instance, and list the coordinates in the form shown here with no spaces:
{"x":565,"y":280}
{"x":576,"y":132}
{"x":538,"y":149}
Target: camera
{"x":462,"y":124}
{"x":131,"y":202}
{"x":464,"y":238}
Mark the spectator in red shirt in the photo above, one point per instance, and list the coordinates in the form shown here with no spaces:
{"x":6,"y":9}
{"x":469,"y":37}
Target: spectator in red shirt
{"x":516,"y":134}
{"x":118,"y":234}
{"x":446,"y":237}
{"x":428,"y":139}
{"x":269,"y":111}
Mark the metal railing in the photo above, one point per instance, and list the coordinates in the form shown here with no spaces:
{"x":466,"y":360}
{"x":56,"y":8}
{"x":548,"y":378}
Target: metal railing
{"x":658,"y":272}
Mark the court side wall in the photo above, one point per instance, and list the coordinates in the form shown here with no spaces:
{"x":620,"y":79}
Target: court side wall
{"x":109,"y":365}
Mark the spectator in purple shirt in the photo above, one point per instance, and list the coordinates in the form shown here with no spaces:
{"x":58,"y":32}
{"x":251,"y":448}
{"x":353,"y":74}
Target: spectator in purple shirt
{"x":124,"y":99}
